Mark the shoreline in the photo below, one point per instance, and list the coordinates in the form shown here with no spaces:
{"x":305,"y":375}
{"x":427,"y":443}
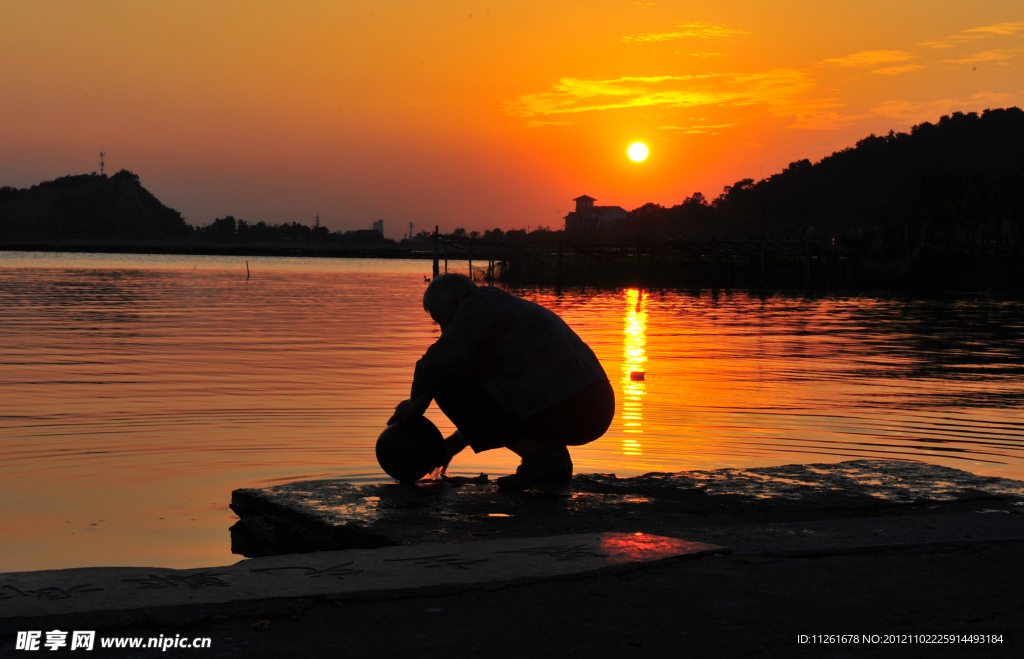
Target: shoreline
{"x":860,"y":536}
{"x":192,"y":248}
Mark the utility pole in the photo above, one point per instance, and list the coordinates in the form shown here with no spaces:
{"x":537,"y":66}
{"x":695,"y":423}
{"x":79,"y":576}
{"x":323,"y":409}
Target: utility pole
{"x":101,"y":161}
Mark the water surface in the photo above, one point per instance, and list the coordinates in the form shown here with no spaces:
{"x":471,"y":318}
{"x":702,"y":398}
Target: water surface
{"x":136,"y":392}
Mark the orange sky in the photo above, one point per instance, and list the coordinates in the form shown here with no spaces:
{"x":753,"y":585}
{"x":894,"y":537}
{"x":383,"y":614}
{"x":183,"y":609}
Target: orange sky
{"x":475,"y":114}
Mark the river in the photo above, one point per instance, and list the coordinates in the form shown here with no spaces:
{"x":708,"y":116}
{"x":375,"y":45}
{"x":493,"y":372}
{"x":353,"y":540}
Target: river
{"x":137,"y":391}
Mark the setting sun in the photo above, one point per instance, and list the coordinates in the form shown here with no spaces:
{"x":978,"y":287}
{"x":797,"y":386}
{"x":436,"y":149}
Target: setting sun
{"x":638,"y":151}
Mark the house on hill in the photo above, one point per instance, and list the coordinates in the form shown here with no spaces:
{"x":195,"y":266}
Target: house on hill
{"x":588,"y":217}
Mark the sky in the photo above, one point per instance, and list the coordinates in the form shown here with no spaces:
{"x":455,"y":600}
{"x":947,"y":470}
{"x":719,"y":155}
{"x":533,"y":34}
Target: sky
{"x":475,"y":114}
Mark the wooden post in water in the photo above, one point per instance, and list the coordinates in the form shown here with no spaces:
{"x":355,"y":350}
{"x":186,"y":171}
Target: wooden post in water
{"x":762,"y":263}
{"x":639,"y":261}
{"x":728,"y":270}
{"x":558,"y":271}
{"x":714,"y":262}
{"x":437,"y":270}
{"x":807,"y":266}
{"x":446,"y":258}
{"x":471,"y":266}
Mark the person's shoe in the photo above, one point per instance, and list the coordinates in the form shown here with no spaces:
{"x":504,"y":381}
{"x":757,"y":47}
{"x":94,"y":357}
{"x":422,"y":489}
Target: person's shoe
{"x":547,"y":470}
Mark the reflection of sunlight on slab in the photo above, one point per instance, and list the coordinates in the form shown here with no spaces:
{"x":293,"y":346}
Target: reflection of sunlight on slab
{"x":634,"y":346}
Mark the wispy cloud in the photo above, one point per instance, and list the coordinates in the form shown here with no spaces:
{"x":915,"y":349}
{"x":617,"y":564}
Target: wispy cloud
{"x":975,"y":33}
{"x":917,"y":111}
{"x":573,"y":95}
{"x":693,"y":30}
{"x":896,"y":70}
{"x":872,"y":58}
{"x":697,"y":130}
{"x":1003,"y":29}
{"x":536,"y":123}
{"x":703,"y":54}
{"x":816,"y":114}
{"x":987,"y":56}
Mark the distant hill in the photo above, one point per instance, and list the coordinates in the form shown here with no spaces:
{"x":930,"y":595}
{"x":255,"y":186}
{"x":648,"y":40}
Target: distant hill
{"x":88,"y":206}
{"x":953,"y":186}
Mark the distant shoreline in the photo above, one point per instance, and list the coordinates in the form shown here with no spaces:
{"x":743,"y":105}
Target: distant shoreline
{"x":189,"y":247}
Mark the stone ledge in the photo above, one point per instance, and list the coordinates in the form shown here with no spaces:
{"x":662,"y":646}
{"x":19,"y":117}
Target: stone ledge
{"x":323,"y":515}
{"x":121,"y":596}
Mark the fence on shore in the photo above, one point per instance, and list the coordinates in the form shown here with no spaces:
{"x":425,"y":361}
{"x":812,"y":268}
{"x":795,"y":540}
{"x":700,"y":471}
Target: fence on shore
{"x":706,"y":263}
{"x":724,"y":263}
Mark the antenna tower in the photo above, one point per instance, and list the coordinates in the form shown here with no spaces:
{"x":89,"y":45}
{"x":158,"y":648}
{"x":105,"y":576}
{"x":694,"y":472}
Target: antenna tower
{"x":410,"y":231}
{"x":317,"y":221}
{"x":101,"y":160}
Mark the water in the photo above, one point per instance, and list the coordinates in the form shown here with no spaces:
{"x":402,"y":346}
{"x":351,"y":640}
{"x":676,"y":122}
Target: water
{"x":136,"y":392}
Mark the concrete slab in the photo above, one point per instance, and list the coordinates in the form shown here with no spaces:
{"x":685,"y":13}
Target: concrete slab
{"x":322,"y":515}
{"x":836,"y":536}
{"x":338,"y":573}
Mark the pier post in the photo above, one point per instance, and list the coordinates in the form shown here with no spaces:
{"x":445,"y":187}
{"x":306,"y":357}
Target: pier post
{"x":807,"y":266}
{"x":714,"y":262}
{"x":471,"y":266}
{"x":639,"y":261}
{"x":728,"y":270}
{"x":437,"y":270}
{"x":558,"y":271}
{"x":762,"y":263}
{"x":446,"y":258}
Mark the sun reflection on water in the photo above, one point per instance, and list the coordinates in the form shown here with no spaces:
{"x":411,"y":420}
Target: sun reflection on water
{"x":634,"y":346}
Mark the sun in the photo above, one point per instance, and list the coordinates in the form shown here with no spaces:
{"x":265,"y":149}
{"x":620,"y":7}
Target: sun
{"x":638,"y":151}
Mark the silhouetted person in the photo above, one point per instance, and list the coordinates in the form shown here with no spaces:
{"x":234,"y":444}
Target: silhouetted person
{"x":509,"y":373}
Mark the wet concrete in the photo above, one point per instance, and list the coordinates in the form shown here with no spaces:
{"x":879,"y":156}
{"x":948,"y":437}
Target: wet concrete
{"x":749,"y":504}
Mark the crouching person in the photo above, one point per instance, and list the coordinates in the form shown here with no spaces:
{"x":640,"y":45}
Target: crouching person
{"x":509,"y":373}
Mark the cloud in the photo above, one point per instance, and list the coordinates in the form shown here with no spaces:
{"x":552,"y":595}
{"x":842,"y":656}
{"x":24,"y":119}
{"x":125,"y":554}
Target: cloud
{"x":817,"y":115}
{"x":896,"y":70}
{"x":696,"y":130}
{"x":703,"y":54}
{"x":987,"y":56}
{"x":536,"y":123}
{"x":1002,"y":29}
{"x":694,"y":30}
{"x":573,"y":95}
{"x":975,"y":33}
{"x":928,"y":110}
{"x":872,"y":58}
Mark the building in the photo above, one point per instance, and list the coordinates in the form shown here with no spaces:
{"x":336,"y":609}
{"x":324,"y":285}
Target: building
{"x":588,"y":217}
{"x":378,"y":226}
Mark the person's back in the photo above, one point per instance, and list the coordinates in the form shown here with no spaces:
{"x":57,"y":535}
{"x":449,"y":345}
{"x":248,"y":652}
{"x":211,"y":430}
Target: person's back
{"x":510,"y":373}
{"x":531,"y":357}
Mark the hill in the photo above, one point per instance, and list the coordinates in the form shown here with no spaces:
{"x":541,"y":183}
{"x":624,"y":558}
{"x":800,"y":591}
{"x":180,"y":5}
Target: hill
{"x":88,"y":206}
{"x":956,"y":185}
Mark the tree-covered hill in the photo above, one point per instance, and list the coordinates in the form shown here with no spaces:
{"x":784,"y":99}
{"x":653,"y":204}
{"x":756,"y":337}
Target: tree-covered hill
{"x":88,"y":206}
{"x":957,"y":185}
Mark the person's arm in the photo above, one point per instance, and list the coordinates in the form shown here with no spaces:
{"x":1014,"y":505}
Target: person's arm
{"x":451,"y":353}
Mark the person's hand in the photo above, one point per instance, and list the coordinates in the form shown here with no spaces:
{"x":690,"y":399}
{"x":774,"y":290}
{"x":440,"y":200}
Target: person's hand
{"x":404,"y":410}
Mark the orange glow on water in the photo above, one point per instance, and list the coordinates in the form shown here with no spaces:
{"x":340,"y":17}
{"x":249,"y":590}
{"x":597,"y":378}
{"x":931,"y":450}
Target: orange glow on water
{"x":634,"y":359}
{"x":138,"y":391}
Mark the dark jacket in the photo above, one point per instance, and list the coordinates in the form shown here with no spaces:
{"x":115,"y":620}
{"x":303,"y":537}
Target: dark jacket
{"x":527,"y":357}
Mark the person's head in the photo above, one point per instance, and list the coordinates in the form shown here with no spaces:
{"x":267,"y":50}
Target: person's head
{"x":443,"y":296}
